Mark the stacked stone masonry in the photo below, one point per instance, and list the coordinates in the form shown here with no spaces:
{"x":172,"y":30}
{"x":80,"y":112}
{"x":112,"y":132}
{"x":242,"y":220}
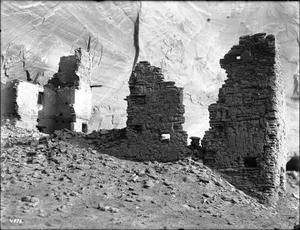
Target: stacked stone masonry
{"x":155,"y":116}
{"x":68,"y":95}
{"x":246,"y":139}
{"x":65,"y":102}
{"x":20,"y":103}
{"x":154,"y":120}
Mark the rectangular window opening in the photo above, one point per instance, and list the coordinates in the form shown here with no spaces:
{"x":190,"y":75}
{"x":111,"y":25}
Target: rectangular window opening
{"x":220,"y":128}
{"x":137,"y":128}
{"x":250,"y":162}
{"x":84,"y":128}
{"x":41,"y":98}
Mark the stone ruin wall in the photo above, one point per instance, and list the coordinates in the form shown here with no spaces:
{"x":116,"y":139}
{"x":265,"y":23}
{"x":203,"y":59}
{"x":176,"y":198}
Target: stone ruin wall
{"x":155,"y":115}
{"x":65,"y":102}
{"x":8,"y":101}
{"x":20,"y":103}
{"x":154,"y":120}
{"x":246,"y":139}
{"x":69,"y":96}
{"x":83,"y":96}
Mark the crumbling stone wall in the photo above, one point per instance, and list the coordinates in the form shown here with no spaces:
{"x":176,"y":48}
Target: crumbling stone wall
{"x":20,"y":103}
{"x":65,"y":102}
{"x":155,"y":116}
{"x":246,"y":139}
{"x":8,"y":101}
{"x":69,"y":96}
{"x":83,"y":95}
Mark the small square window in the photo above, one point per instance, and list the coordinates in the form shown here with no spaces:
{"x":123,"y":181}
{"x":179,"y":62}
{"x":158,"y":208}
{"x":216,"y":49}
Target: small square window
{"x":165,"y":137}
{"x":250,"y":162}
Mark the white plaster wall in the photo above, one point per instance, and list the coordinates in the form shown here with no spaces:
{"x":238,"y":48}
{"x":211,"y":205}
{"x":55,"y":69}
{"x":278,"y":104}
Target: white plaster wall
{"x":27,"y":101}
{"x":82,"y":105}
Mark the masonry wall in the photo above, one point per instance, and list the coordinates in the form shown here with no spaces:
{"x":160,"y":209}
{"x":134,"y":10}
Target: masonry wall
{"x":47,"y":116}
{"x":27,"y":104}
{"x":65,"y":111}
{"x":246,"y":139}
{"x":68,"y":99}
{"x":155,"y":116}
{"x":8,"y":101}
{"x":83,"y":96}
{"x":66,"y":75}
{"x":82,"y":106}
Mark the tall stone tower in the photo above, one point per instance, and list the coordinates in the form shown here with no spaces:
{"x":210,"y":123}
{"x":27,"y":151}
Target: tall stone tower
{"x":155,"y":116}
{"x":246,"y":139}
{"x":67,"y":99}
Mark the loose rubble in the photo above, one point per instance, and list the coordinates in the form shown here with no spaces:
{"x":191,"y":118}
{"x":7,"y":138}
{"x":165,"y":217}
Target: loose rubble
{"x":64,"y":180}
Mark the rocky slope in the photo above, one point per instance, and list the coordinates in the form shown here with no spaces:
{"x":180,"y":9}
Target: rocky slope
{"x":185,"y":39}
{"x":63,"y":181}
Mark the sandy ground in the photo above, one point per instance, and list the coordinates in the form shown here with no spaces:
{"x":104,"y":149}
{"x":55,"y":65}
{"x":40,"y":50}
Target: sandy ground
{"x":65,"y":182}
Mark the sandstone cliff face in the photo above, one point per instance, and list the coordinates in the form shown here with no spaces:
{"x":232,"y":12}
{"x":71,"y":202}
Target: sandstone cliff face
{"x":185,"y":39}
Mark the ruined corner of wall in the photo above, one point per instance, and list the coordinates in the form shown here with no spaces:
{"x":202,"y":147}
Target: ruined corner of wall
{"x":155,"y":114}
{"x":68,"y":95}
{"x":246,"y":139}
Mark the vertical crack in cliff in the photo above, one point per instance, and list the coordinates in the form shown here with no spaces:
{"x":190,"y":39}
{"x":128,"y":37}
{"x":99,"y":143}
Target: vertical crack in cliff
{"x":136,"y":36}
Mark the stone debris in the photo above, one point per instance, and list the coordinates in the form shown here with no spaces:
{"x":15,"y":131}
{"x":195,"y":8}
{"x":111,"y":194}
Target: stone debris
{"x":148,"y":184}
{"x":116,"y":182}
{"x":42,"y":213}
{"x":134,"y":178}
{"x":103,"y":207}
{"x":31,"y":201}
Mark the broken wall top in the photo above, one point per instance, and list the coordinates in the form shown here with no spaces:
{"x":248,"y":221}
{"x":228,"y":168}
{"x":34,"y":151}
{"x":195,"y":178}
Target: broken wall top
{"x":153,"y":102}
{"x":73,"y":69}
{"x":257,"y":47}
{"x":144,"y":73}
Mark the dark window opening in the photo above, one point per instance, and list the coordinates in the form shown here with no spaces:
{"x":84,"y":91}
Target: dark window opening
{"x":41,"y":98}
{"x":139,"y":99}
{"x":137,"y":128}
{"x":219,"y":128}
{"x":165,"y":137}
{"x":293,"y":164}
{"x":250,"y":162}
{"x":84,"y":128}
